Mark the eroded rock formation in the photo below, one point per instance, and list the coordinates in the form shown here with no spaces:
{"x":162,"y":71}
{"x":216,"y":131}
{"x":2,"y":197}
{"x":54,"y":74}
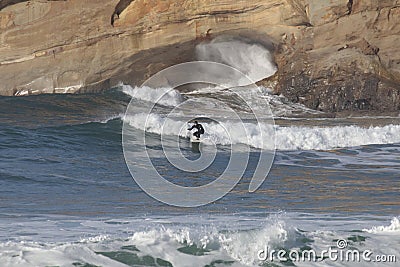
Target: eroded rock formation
{"x":346,"y":60}
{"x":332,"y":55}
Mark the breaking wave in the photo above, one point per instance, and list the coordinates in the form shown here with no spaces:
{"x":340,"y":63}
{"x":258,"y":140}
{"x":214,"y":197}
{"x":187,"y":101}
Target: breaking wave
{"x":162,"y":96}
{"x":229,"y":241}
{"x":173,"y":245}
{"x":394,"y":227}
{"x":259,"y":135}
{"x":211,"y":99}
{"x":325,"y":138}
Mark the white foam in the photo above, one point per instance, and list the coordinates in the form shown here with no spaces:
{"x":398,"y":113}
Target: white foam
{"x":23,"y":254}
{"x":216,"y":100}
{"x":163,"y":243}
{"x":225,"y":133}
{"x":162,"y":96}
{"x":259,"y":135}
{"x":262,"y":100}
{"x":252,"y":59}
{"x":235,"y":238}
{"x":394,"y":227}
{"x":110,"y":118}
{"x":95,"y":239}
{"x":244,"y":246}
{"x":326,"y":138}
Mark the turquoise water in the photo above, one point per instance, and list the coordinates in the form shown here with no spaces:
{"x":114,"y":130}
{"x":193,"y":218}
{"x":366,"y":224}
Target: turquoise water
{"x":67,"y":197}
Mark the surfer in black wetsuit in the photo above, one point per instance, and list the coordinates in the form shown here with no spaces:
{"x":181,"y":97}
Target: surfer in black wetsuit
{"x":200,"y":129}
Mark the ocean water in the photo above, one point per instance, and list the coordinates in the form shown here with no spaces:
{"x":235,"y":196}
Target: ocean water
{"x":67,"y":197}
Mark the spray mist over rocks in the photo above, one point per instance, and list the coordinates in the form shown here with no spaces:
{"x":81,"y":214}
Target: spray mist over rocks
{"x":252,"y":59}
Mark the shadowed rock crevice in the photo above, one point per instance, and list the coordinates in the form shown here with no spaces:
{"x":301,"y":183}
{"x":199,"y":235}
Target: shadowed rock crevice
{"x":121,"y":6}
{"x":5,"y":3}
{"x":364,"y":46}
{"x":350,"y":6}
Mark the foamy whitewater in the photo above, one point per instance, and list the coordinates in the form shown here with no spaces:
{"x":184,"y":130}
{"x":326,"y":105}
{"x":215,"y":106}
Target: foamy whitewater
{"x":161,"y":96}
{"x":68,"y":199}
{"x":258,"y":135}
{"x":394,"y":228}
{"x":167,"y":242}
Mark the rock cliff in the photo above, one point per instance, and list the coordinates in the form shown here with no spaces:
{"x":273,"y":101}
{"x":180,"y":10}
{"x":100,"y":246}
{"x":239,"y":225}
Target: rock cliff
{"x":332,"y":55}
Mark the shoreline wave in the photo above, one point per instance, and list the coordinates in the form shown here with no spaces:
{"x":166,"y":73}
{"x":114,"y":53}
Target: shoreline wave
{"x":190,"y":242}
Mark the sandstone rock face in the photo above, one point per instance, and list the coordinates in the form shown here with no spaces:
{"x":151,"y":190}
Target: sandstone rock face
{"x":332,"y":55}
{"x":345,"y":60}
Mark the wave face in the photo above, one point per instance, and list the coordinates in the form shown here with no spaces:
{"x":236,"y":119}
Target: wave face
{"x":252,"y":59}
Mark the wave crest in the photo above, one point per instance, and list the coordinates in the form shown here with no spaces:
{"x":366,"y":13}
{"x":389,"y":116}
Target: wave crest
{"x":162,"y":96}
{"x":393,"y":227}
{"x":259,"y":135}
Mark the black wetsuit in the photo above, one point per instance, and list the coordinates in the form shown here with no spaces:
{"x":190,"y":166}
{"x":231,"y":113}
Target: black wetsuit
{"x":200,"y":130}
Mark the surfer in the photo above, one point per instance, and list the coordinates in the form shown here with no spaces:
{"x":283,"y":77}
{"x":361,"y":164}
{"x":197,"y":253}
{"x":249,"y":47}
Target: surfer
{"x":200,"y":129}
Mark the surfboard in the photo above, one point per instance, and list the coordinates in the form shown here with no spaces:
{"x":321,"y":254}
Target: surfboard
{"x":194,"y":139}
{"x":195,"y":144}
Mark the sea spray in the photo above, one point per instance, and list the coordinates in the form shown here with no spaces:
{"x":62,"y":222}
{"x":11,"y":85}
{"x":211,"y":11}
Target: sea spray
{"x":252,"y":59}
